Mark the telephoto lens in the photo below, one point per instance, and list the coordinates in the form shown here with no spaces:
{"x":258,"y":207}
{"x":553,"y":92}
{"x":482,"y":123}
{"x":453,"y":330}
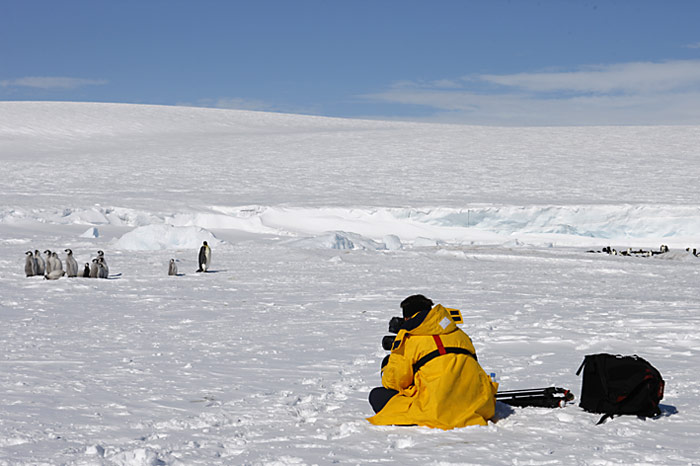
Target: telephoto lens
{"x":388,"y":342}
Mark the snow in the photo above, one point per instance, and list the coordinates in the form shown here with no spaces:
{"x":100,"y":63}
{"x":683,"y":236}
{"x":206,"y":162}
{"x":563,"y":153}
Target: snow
{"x":156,"y":237}
{"x":319,"y":227}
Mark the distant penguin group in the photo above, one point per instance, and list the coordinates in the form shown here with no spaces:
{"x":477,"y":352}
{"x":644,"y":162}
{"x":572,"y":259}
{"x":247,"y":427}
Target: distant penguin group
{"x":52,"y":268}
{"x":630,"y":252}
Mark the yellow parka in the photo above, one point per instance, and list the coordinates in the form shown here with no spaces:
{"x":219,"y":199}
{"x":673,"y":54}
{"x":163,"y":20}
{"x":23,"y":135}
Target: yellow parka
{"x":449,"y":390}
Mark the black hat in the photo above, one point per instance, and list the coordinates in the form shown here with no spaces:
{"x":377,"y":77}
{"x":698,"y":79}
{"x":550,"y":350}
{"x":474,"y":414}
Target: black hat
{"x":415,"y":304}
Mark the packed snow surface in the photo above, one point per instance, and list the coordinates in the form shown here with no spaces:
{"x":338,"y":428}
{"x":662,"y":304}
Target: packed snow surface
{"x":319,"y":227}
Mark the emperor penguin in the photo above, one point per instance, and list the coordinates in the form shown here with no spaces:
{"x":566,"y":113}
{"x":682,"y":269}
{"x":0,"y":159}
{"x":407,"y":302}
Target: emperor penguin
{"x":101,"y":258}
{"x":55,"y":274}
{"x":172,"y":268}
{"x":49,"y":262}
{"x":86,"y":270}
{"x":39,"y":262}
{"x":204,"y":257}
{"x":102,"y":270}
{"x":94,"y":269}
{"x":57,"y":264}
{"x":30,"y":265}
{"x":71,"y":264}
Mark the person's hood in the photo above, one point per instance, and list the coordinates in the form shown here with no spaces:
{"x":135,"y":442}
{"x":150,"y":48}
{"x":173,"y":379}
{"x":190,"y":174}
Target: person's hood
{"x":435,"y":321}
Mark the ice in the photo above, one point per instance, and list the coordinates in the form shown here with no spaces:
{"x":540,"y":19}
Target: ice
{"x":157,"y":237}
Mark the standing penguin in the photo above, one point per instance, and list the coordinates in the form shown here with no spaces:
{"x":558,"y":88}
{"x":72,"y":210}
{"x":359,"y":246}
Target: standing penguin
{"x":102,"y":270}
{"x":49,"y":262}
{"x":56,"y":262}
{"x":94,"y":269}
{"x":204,"y":257}
{"x":30,"y":265}
{"x":71,"y":264}
{"x":86,"y":270}
{"x":101,"y":259}
{"x":39,"y":262}
{"x":172,"y":268}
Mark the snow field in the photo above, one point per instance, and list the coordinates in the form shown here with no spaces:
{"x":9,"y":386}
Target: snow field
{"x":319,"y":228}
{"x":269,"y":359}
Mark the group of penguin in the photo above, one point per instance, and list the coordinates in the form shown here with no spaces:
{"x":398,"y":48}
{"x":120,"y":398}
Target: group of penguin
{"x":52,"y":267}
{"x":641,"y":252}
{"x":203,"y":259}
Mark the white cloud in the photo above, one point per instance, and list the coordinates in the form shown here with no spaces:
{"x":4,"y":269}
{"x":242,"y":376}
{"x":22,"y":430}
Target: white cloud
{"x":696,"y":45}
{"x":626,"y":93}
{"x":48,"y":82}
{"x":515,"y":109}
{"x":640,"y":77}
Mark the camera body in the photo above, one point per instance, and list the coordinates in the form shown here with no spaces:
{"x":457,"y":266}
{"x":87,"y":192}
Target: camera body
{"x":395,"y":324}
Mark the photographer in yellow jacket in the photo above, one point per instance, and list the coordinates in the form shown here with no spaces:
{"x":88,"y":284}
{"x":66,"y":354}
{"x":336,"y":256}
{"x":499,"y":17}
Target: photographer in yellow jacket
{"x":432,"y":377}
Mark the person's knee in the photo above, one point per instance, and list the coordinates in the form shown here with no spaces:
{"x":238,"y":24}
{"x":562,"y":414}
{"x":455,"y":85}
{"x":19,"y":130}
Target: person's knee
{"x":380,"y":396}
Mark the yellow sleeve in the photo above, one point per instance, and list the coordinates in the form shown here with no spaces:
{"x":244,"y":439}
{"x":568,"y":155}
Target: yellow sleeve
{"x":398,"y":373}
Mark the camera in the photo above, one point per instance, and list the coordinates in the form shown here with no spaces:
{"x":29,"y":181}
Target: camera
{"x":395,"y":324}
{"x":388,"y":342}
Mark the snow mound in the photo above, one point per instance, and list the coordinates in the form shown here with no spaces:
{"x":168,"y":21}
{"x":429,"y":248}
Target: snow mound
{"x":91,"y":233}
{"x":392,"y":242}
{"x":423,"y":242}
{"x":137,"y":457}
{"x":159,"y":237}
{"x":677,"y":256}
{"x":338,"y":240}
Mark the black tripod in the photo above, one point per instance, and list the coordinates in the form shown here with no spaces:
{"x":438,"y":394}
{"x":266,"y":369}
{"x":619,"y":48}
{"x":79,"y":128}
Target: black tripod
{"x":550,"y":397}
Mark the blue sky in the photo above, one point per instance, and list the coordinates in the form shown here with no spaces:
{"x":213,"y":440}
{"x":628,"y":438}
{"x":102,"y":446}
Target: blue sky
{"x":476,"y":62}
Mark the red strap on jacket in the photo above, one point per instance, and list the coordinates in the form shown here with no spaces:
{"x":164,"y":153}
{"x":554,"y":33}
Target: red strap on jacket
{"x":440,"y":346}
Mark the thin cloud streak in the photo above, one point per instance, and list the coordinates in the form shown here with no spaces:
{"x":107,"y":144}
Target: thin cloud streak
{"x":48,"y":82}
{"x":627,"y":78}
{"x":522,"y":110}
{"x":627,"y":94}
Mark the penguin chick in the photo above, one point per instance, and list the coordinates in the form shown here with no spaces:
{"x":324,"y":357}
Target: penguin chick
{"x":102,"y":270}
{"x":86,"y":270}
{"x":57,"y":264}
{"x":55,"y":275}
{"x":101,"y":256}
{"x":94,"y":269}
{"x":49,"y":263}
{"x":29,"y":264}
{"x":71,"y":264}
{"x":172,"y":268}
{"x":39,"y":262}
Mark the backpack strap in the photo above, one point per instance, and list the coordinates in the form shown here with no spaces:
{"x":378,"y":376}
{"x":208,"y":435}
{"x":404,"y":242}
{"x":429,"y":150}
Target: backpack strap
{"x":440,"y":346}
{"x":441,"y":350}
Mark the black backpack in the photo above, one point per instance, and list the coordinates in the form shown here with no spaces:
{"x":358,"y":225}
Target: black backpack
{"x":614,"y":384}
